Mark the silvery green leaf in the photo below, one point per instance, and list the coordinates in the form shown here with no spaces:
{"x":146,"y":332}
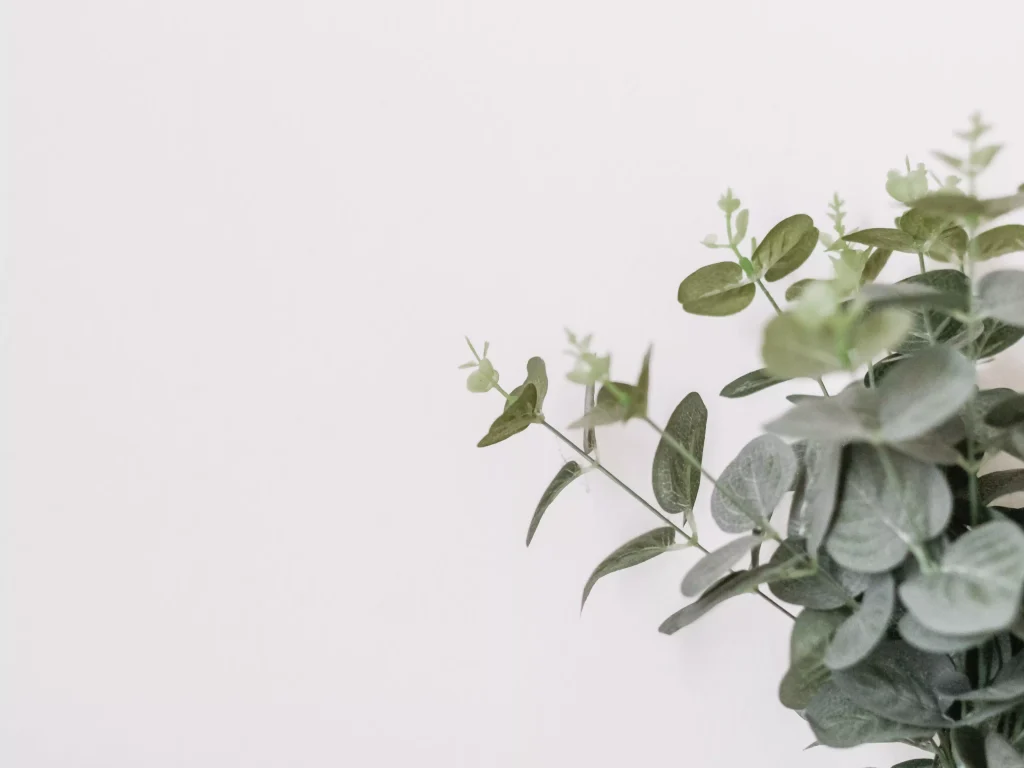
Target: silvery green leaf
{"x":828,"y":586}
{"x":928,"y":324}
{"x":792,"y":350}
{"x":1001,"y":296}
{"x":517,"y":417}
{"x":995,"y":337}
{"x":749,"y":383}
{"x":807,"y":643}
{"x":978,"y":585}
{"x":998,"y":241}
{"x":924,"y":391}
{"x":995,"y":485}
{"x":633,"y":552}
{"x":742,"y":218}
{"x":1000,"y":754}
{"x":890,"y":239}
{"x":932,"y":448}
{"x":863,"y":631}
{"x":909,"y":295}
{"x":565,"y":475}
{"x":675,"y":481}
{"x":786,"y":246}
{"x":753,"y":484}
{"x":1007,"y":686}
{"x":969,"y":748}
{"x":717,"y":289}
{"x":728,"y":587}
{"x":714,"y":565}
{"x":589,"y":434}
{"x":880,"y":512}
{"x":536,"y":374}
{"x":823,"y":463}
{"x":838,"y":722}
{"x":956,"y":164}
{"x":898,"y":682}
{"x":837,"y":419}
{"x":983,"y":156}
{"x":919,"y":636}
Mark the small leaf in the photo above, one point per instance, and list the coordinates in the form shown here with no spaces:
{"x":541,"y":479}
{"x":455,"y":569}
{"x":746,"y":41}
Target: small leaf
{"x":977,"y":587}
{"x":942,"y":328}
{"x":923,"y":392}
{"x":676,"y":482}
{"x":861,"y":633}
{"x":1000,"y":754}
{"x":827,"y":587}
{"x":786,"y":246}
{"x":919,"y":636}
{"x":714,"y":565}
{"x":795,"y":291}
{"x":882,"y":512}
{"x":838,"y":722}
{"x":741,"y":226}
{"x":633,"y":552}
{"x":998,"y":242}
{"x":823,"y":463}
{"x":517,"y":417}
{"x":982,"y":156}
{"x":753,"y":484}
{"x":565,"y":475}
{"x":792,"y":350}
{"x":717,"y":290}
{"x":955,"y":163}
{"x":537,"y":374}
{"x":807,"y":643}
{"x":995,"y":485}
{"x":874,"y":265}
{"x":889,"y":239}
{"x":1001,"y":296}
{"x":749,"y":383}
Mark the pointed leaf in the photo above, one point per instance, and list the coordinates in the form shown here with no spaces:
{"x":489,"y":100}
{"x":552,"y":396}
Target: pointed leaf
{"x":753,"y":484}
{"x":1001,"y":296}
{"x":860,"y":634}
{"x":978,"y":585}
{"x":565,"y":475}
{"x":536,"y":373}
{"x":714,"y":565}
{"x":749,"y":383}
{"x":785,"y":247}
{"x":874,"y":265}
{"x":995,"y":485}
{"x":924,"y":391}
{"x":838,"y":722}
{"x":807,"y":672}
{"x":633,"y":552}
{"x":828,"y":587}
{"x":919,"y":636}
{"x":675,"y":482}
{"x":890,"y":239}
{"x":517,"y":417}
{"x":998,"y":242}
{"x":717,"y":289}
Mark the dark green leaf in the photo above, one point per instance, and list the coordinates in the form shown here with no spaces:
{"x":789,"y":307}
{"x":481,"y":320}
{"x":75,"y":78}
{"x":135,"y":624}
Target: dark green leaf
{"x":714,"y":565}
{"x":996,"y":337}
{"x":863,"y":631}
{"x":828,"y":586}
{"x":889,"y":239}
{"x":753,"y":484}
{"x":633,"y":552}
{"x":926,"y":762}
{"x":969,"y":748}
{"x":517,"y":417}
{"x":786,"y":246}
{"x":675,"y":481}
{"x":919,"y":636}
{"x":536,"y":374}
{"x":565,"y":475}
{"x":923,"y":392}
{"x":1007,"y":409}
{"x":1001,"y":296}
{"x":749,"y":383}
{"x":717,"y":289}
{"x":838,"y":722}
{"x":998,"y":241}
{"x":874,"y":265}
{"x":995,"y":485}
{"x":942,"y":328}
{"x":807,"y":643}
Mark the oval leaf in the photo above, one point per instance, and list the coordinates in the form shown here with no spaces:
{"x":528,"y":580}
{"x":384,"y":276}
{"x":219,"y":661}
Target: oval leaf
{"x":675,"y":481}
{"x":860,"y":634}
{"x":786,"y":246}
{"x":828,"y":587}
{"x":1001,"y":296}
{"x":792,"y":350}
{"x":753,"y":484}
{"x":714,"y":565}
{"x":822,"y":462}
{"x":717,"y":289}
{"x":924,"y":391}
{"x":517,"y":417}
{"x":633,"y":552}
{"x":811,"y":634}
{"x":874,"y":265}
{"x":998,"y":242}
{"x":838,"y":722}
{"x":565,"y":475}
{"x":889,"y":239}
{"x":919,"y":636}
{"x":749,"y":383}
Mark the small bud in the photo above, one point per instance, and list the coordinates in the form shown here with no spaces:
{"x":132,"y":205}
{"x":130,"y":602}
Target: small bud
{"x":710,"y":241}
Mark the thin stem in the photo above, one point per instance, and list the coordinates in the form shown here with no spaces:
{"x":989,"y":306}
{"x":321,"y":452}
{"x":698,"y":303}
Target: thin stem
{"x":920,"y":262}
{"x":871,"y":373}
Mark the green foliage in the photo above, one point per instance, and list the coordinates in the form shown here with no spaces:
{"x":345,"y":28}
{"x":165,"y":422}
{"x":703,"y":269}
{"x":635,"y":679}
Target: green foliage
{"x":910,"y":579}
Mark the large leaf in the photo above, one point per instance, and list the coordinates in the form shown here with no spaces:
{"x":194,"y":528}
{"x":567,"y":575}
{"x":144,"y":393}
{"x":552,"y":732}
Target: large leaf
{"x":825,"y":587}
{"x":717,"y":289}
{"x":924,"y":391}
{"x":675,"y":481}
{"x":1001,"y":296}
{"x":1000,"y":754}
{"x":749,"y":383}
{"x":890,"y":239}
{"x":753,"y":484}
{"x":726,"y":588}
{"x":977,"y":587}
{"x":786,"y":246}
{"x":633,"y":552}
{"x":998,"y":242}
{"x":919,"y":636}
{"x":517,"y":417}
{"x":847,"y":417}
{"x":898,"y":682}
{"x":995,"y":337}
{"x":838,"y":722}
{"x":807,"y":643}
{"x":536,"y":374}
{"x":966,"y":205}
{"x":995,"y":485}
{"x":823,"y":461}
{"x":792,"y":350}
{"x":714,"y":565}
{"x":863,"y":631}
{"x":565,"y":475}
{"x":883,"y":509}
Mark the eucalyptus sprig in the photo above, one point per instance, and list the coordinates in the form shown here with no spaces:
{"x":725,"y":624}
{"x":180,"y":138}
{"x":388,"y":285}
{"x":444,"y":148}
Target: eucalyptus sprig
{"x":898,"y":549}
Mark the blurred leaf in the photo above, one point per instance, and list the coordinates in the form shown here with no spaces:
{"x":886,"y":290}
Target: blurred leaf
{"x":969,"y":748}
{"x":807,"y":643}
{"x":999,"y":241}
{"x":675,"y":481}
{"x":1006,"y":408}
{"x":753,"y":484}
{"x":717,"y":290}
{"x":795,"y":291}
{"x":888,"y":239}
{"x":965,"y":205}
{"x":565,"y":475}
{"x":517,"y":417}
{"x":822,"y":461}
{"x":910,"y":296}
{"x":954,"y":162}
{"x":1000,"y":754}
{"x":919,"y":636}
{"x":847,"y":417}
{"x":860,"y":634}
{"x":786,"y":246}
{"x":924,"y":391}
{"x":878,"y":332}
{"x":716,"y":564}
{"x":996,"y":337}
{"x":633,"y":552}
{"x":740,"y":232}
{"x":995,"y":485}
{"x":838,"y":722}
{"x":1001,"y":296}
{"x":943,"y":328}
{"x":982,"y":156}
{"x":873,"y":266}
{"x":1008,"y":685}
{"x":749,"y":383}
{"x":792,"y":350}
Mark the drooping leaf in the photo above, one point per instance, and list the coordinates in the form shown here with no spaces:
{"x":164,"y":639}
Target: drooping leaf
{"x":1001,"y":296}
{"x":1000,"y":754}
{"x":793,"y":350}
{"x":838,"y":722}
{"x":995,"y":485}
{"x":728,"y":587}
{"x":882,"y":510}
{"x":753,"y":484}
{"x":565,"y":475}
{"x":718,"y":289}
{"x":826,"y":587}
{"x":860,"y":634}
{"x":633,"y":552}
{"x":517,"y":417}
{"x":899,"y":683}
{"x":998,"y":241}
{"x":969,"y":748}
{"x":536,"y":374}
{"x":811,"y":634}
{"x":923,"y":392}
{"x":749,"y":383}
{"x":890,"y":239}
{"x":675,"y":481}
{"x":786,"y":246}
{"x":919,"y":636}
{"x":714,"y":565}
{"x":977,"y":587}
{"x":823,"y":462}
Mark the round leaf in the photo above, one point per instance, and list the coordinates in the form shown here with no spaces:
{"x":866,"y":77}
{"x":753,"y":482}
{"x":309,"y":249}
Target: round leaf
{"x":675,"y":481}
{"x":862,"y":632}
{"x":786,"y":246}
{"x":1001,"y":296}
{"x":830,"y":586}
{"x":753,"y":484}
{"x":717,"y":289}
{"x":924,"y":391}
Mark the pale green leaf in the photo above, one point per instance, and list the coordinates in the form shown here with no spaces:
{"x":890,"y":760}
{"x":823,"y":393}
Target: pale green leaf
{"x":878,"y":332}
{"x":633,"y":552}
{"x":807,"y":672}
{"x":675,"y":481}
{"x":517,"y":417}
{"x":753,"y":484}
{"x":965,"y":205}
{"x":565,"y":475}
{"x":874,"y":265}
{"x":998,"y":242}
{"x":714,"y":565}
{"x":955,"y":163}
{"x":792,"y":350}
{"x":924,"y":391}
{"x":749,"y":383}
{"x":889,"y":239}
{"x":717,"y":289}
{"x":919,"y":636}
{"x":740,"y":231}
{"x":1001,"y":296}
{"x":983,"y":156}
{"x":795,"y":291}
{"x":863,"y":631}
{"x":838,"y":722}
{"x":822,"y":461}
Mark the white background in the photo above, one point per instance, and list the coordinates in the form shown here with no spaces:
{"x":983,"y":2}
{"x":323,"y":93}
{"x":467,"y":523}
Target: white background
{"x":244,"y":521}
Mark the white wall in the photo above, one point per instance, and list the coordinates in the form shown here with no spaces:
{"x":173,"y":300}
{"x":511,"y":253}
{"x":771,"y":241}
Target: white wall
{"x":245,"y":523}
